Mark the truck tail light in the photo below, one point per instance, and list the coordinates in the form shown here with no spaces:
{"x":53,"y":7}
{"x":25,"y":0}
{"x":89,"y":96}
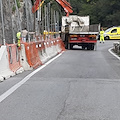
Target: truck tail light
{"x":92,"y":37}
{"x":73,"y":38}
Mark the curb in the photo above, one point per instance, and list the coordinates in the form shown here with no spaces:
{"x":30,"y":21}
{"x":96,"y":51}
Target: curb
{"x":110,"y":51}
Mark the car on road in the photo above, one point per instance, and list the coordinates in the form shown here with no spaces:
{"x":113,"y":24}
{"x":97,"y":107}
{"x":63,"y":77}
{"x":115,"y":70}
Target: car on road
{"x":112,"y":33}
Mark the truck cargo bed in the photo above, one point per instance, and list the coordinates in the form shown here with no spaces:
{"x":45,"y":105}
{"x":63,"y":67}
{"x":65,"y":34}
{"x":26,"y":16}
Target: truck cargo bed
{"x":84,"y":33}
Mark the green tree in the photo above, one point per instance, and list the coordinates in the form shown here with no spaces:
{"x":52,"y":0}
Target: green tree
{"x":100,"y":11}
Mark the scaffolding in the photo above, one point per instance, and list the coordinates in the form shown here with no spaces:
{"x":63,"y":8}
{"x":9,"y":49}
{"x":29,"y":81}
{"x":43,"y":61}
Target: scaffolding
{"x":45,"y":20}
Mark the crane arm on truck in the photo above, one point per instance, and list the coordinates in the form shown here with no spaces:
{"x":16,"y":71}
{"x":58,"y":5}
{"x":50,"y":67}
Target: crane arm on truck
{"x":37,"y":5}
{"x":66,"y":6}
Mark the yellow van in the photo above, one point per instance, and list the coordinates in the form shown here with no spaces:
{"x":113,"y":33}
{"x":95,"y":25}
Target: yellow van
{"x":112,"y":33}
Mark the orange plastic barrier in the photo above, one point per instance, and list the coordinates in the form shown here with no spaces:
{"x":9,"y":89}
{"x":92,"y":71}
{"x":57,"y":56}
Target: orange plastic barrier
{"x":32,"y":55}
{"x":14,"y":57}
{"x":48,"y":43}
{"x":40,"y":46}
{"x":62,"y":45}
{"x":59,"y":42}
{"x":54,"y":41}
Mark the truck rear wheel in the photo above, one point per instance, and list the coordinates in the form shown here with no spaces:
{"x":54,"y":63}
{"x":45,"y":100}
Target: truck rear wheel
{"x":88,"y":47}
{"x":92,"y":46}
{"x":66,"y":45}
{"x":71,"y":46}
{"x":83,"y":47}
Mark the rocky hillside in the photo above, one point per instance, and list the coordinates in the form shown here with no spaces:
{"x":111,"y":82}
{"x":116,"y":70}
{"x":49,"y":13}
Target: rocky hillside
{"x":14,"y":20}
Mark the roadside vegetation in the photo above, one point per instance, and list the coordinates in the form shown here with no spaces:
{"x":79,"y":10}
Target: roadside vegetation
{"x":106,"y":12}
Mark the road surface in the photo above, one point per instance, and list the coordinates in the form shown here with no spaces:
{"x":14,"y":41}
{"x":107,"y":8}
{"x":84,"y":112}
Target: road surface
{"x":78,"y":85}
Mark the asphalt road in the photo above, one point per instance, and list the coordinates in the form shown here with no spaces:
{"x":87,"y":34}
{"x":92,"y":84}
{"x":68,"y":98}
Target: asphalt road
{"x":79,"y":85}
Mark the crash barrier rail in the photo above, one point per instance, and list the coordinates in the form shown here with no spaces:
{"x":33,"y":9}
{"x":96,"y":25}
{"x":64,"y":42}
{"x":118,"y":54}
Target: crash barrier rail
{"x":28,"y":56}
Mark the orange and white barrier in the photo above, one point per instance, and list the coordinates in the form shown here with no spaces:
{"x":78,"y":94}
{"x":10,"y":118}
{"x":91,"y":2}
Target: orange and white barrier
{"x":48,"y":48}
{"x":62,"y":46}
{"x":57,"y":45}
{"x":23,"y":59}
{"x":40,"y":46}
{"x":53,"y":48}
{"x":29,"y":56}
{"x":14,"y":59}
{"x":37,"y":53}
{"x":5,"y":71}
{"x":32,"y":55}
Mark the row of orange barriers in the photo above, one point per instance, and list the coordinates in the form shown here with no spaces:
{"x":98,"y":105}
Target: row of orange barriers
{"x":30,"y":55}
{"x":38,"y":52}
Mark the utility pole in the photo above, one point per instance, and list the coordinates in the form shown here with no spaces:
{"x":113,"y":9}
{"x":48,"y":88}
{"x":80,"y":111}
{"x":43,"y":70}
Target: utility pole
{"x":38,"y":19}
{"x":55,"y":20}
{"x":13,"y":33}
{"x":3,"y":30}
{"x":45,"y":18}
{"x":19,"y":21}
{"x":34,"y":22}
{"x":51,"y":19}
{"x":27,"y":17}
{"x":31,"y":18}
{"x":48,"y":18}
{"x":57,"y":14}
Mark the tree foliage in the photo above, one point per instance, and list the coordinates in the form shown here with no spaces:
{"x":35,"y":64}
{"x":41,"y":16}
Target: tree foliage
{"x":106,"y":12}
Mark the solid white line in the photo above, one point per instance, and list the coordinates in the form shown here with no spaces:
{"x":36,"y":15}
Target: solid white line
{"x":16,"y":86}
{"x":110,"y":50}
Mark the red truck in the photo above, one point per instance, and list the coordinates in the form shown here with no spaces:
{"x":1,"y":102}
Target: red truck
{"x":77,"y":31}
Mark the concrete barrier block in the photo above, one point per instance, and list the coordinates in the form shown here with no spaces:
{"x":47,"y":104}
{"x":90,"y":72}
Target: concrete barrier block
{"x":23,"y":59}
{"x":20,"y":70}
{"x":5,"y":71}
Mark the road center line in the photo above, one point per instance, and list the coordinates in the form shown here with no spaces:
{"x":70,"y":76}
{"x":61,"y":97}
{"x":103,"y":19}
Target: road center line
{"x":110,"y":50}
{"x":16,"y":86}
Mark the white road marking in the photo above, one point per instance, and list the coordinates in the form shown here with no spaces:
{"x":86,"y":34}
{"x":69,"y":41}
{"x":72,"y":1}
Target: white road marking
{"x":110,"y":50}
{"x":16,"y":86}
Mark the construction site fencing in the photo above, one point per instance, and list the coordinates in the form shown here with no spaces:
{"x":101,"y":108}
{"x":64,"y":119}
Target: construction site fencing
{"x":38,"y":52}
{"x":29,"y":55}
